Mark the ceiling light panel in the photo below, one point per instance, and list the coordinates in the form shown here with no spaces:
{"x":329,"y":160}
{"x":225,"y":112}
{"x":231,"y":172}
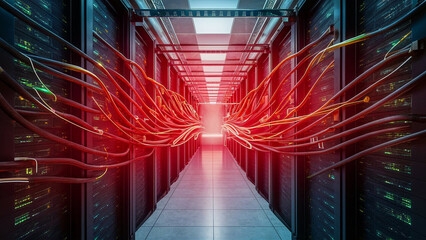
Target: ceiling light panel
{"x":213,"y":56}
{"x":213,"y":69}
{"x":222,"y":4}
{"x":213,"y":79}
{"x":213,"y":25}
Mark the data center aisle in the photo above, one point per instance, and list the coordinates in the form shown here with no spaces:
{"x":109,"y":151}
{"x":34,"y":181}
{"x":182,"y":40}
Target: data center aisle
{"x":213,"y":199}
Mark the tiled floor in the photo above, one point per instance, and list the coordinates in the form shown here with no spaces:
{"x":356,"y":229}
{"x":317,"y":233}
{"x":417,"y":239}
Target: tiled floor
{"x":213,"y":199}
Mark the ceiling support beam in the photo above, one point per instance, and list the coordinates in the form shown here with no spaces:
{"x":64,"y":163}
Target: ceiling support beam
{"x":214,"y":64}
{"x":211,"y":51}
{"x":286,"y":14}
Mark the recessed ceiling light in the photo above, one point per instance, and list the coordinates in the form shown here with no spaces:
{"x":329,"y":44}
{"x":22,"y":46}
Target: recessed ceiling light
{"x":213,"y":25}
{"x":212,"y":84}
{"x":213,"y":68}
{"x":223,"y":4}
{"x":213,"y":56}
{"x":213,"y":79}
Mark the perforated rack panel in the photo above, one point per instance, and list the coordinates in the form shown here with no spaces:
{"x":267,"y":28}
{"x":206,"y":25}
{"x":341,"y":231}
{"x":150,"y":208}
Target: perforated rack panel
{"x":143,"y":168}
{"x":251,"y":162}
{"x":387,"y":186}
{"x":161,"y":152}
{"x":174,"y":155}
{"x":40,"y":211}
{"x":108,"y":192}
{"x":321,"y":197}
{"x":263,"y":157}
{"x":282,"y":165}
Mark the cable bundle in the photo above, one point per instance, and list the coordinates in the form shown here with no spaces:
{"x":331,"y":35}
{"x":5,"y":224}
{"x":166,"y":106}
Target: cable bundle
{"x":162,"y":118}
{"x":269,"y":122}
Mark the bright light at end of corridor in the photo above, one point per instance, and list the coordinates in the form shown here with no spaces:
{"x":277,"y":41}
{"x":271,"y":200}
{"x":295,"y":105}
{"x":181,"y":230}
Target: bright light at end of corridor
{"x":212,"y":135}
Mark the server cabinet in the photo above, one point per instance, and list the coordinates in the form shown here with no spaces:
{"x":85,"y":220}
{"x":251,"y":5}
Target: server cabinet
{"x":242,"y":154}
{"x":263,"y":158}
{"x":161,"y":153}
{"x":143,"y":170}
{"x":282,"y":164}
{"x":181,"y":148}
{"x":251,"y":159}
{"x":389,"y":183}
{"x":186,"y":145}
{"x":321,"y":194}
{"x":36,"y":211}
{"x":173,"y":151}
{"x":108,"y":196}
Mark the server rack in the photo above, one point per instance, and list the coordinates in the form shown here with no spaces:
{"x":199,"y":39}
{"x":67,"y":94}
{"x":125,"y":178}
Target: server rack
{"x":116,"y":205}
{"x":181,"y":149}
{"x":143,"y":198}
{"x":39,"y":211}
{"x":389,"y":184}
{"x":109,"y":197}
{"x":251,"y":159}
{"x":161,"y":153}
{"x":263,"y":158}
{"x":173,"y":151}
{"x":321,"y":195}
{"x":242,"y":150}
{"x":385,"y":179}
{"x":282,"y":164}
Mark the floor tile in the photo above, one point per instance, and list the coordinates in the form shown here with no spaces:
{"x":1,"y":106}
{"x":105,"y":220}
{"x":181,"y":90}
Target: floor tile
{"x":142,"y":233}
{"x":193,"y":192}
{"x":241,"y":218}
{"x":195,"y":184}
{"x":151,"y":220}
{"x":263,"y":203}
{"x":229,"y":184}
{"x":213,"y":191}
{"x":181,"y":233}
{"x":245,"y":233}
{"x":197,"y":178}
{"x":232,"y":192}
{"x":236,"y":203}
{"x":274,"y":219}
{"x":189,"y":203}
{"x":162,"y":202}
{"x":284,"y":233}
{"x":178,"y":218}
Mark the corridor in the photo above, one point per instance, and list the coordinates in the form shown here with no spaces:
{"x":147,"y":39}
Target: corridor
{"x":212,"y":199}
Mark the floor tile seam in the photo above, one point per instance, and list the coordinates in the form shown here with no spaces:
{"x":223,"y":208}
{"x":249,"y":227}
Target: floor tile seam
{"x":182,"y":227}
{"x":200,"y":226}
{"x":241,"y":172}
{"x":269,"y":210}
{"x":171,"y":192}
{"x":221,"y":209}
{"x":264,"y":210}
{"x":213,"y":189}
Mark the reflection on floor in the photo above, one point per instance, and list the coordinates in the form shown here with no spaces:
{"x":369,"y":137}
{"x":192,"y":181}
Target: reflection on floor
{"x":213,"y":199}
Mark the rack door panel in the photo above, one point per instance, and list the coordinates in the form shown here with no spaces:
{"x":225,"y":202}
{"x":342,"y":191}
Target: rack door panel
{"x":107,"y":193}
{"x":389,"y":183}
{"x":174,"y":155}
{"x":282,"y":163}
{"x":143,"y":168}
{"x":321,"y":196}
{"x":161,"y":153}
{"x":43,"y":210}
{"x":263,"y":158}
